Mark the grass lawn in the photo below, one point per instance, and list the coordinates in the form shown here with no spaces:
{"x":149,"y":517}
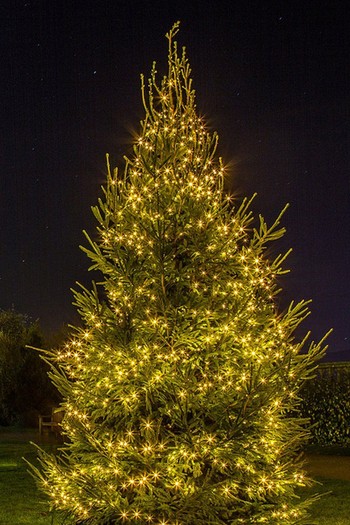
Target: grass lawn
{"x":334,"y":507}
{"x":22,"y":504}
{"x":20,"y":501}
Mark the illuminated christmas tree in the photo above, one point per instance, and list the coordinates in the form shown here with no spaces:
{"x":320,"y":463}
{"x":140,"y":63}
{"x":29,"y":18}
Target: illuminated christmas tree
{"x":181,"y":391}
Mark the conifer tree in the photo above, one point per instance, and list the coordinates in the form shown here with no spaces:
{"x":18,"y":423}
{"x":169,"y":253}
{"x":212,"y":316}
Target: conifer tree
{"x":181,"y":388}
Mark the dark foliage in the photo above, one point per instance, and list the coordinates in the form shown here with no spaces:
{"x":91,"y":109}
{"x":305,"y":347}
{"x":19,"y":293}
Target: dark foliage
{"x":25,"y":388}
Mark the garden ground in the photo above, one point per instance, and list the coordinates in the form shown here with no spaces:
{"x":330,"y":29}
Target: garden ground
{"x":328,"y":466}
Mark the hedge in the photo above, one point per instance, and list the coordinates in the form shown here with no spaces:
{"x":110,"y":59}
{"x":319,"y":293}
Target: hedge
{"x":326,"y":403}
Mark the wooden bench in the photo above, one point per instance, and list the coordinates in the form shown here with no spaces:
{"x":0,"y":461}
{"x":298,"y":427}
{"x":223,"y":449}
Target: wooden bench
{"x":51,"y":422}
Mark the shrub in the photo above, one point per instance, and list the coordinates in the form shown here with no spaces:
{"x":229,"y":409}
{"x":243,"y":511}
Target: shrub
{"x":326,"y":402}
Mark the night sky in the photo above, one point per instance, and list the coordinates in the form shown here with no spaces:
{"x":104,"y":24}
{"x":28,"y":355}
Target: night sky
{"x":271,"y":77}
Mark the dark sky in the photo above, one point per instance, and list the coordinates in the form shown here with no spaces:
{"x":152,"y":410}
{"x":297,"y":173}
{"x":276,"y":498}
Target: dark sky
{"x":271,"y":77}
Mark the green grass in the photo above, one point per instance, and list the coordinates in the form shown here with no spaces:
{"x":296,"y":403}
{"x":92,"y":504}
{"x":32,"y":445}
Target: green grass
{"x":333,"y":508}
{"x":21,"y":503}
